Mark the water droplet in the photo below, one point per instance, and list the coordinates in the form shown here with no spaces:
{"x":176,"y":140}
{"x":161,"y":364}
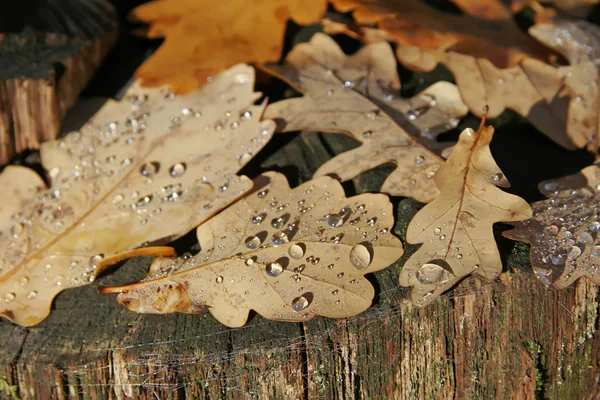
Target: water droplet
{"x":117,"y":199}
{"x":335,"y":292}
{"x":219,"y":279}
{"x":277,"y":223}
{"x":497,"y":177}
{"x":252,"y":242}
{"x":8,"y":297}
{"x":249,"y":262}
{"x":262,"y":194}
{"x":177,"y":170}
{"x":329,"y":92}
{"x":431,"y":274}
{"x":443,"y":237}
{"x":32,"y":295}
{"x":360,"y":256}
{"x":552,"y":229}
{"x":573,"y":252}
{"x":257,"y":219}
{"x":274,"y":268}
{"x":23,"y":281}
{"x":54,"y":171}
{"x":437,"y":230}
{"x":244,"y":158}
{"x":295,"y":251}
{"x":419,"y":160}
{"x":371,"y":222}
{"x":585,"y":238}
{"x":330,"y":266}
{"x":95,"y":260}
{"x":595,"y":251}
{"x":340,"y":275}
{"x":144,"y":201}
{"x":334,"y":220}
{"x":300,"y":303}
{"x":595,"y":226}
{"x":150,"y":169}
{"x":223,"y":188}
{"x":58,"y":280}
{"x":279,"y":238}
{"x":367,"y":134}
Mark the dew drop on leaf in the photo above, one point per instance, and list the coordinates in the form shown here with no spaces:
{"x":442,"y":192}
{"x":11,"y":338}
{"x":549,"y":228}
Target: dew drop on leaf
{"x":32,"y":295}
{"x":573,"y":252}
{"x":117,"y":199}
{"x":177,"y":170}
{"x":244,"y":158}
{"x":585,"y":238}
{"x":595,"y":251}
{"x":277,"y":223}
{"x":437,"y":231}
{"x":334,"y":220}
{"x":8,"y":297}
{"x":96,"y":259}
{"x":300,"y":303}
{"x":150,"y":169}
{"x":497,"y":177}
{"x":431,"y":274}
{"x":295,"y":251}
{"x":273,"y":268}
{"x":23,"y":281}
{"x":219,"y":279}
{"x":279,"y":238}
{"x":360,"y":257}
{"x":252,"y":242}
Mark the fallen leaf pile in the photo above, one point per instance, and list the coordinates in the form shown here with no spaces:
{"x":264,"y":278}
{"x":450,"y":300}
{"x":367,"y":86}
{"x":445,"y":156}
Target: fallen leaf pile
{"x":456,"y":227}
{"x":287,"y":254}
{"x":147,"y":169}
{"x":235,"y":31}
{"x":141,"y":172}
{"x":358,"y":95}
{"x":495,"y":63}
{"x":564,"y":232}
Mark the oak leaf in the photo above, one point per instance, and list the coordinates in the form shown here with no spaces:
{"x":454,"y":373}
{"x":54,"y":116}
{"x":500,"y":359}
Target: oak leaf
{"x":503,"y":68}
{"x":203,"y":38}
{"x":564,"y":231}
{"x":456,"y":227}
{"x":358,"y":95}
{"x":288,"y":254}
{"x":141,"y":172}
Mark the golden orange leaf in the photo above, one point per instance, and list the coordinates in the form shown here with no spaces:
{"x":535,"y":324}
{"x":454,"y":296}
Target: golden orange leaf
{"x":288,"y":254}
{"x":456,"y":228}
{"x":203,"y":37}
{"x":358,"y":95}
{"x":142,"y":171}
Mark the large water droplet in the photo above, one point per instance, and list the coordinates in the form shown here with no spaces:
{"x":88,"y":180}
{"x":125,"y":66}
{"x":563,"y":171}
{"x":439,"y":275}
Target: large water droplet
{"x":252,"y":242}
{"x":497,"y":177}
{"x":595,"y":226}
{"x":219,"y":279}
{"x":334,"y":220}
{"x":552,"y":229}
{"x":360,"y":256}
{"x":300,"y":303}
{"x":96,"y":259}
{"x":150,"y":169}
{"x":595,"y":251}
{"x":585,"y":238}
{"x":295,"y":251}
{"x":279,"y":238}
{"x":177,"y":170}
{"x":431,"y":274}
{"x":257,"y":219}
{"x":573,"y":252}
{"x":277,"y":223}
{"x":8,"y":297}
{"x":274,"y":268}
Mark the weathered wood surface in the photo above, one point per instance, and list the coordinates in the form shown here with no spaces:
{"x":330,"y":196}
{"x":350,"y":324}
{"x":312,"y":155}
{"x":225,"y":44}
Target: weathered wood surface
{"x":43,"y":73}
{"x":512,"y":339}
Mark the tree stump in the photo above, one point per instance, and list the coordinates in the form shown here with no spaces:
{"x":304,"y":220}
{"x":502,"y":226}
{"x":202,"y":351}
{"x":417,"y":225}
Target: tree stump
{"x":44,"y":68}
{"x":513,"y":338}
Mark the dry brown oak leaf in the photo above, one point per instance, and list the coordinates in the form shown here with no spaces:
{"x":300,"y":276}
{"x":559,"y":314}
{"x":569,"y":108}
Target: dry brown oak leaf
{"x":579,"y":43}
{"x":564,"y":232}
{"x":203,"y":37}
{"x":288,"y":254}
{"x":456,"y":228}
{"x":492,"y":60}
{"x":141,"y":172}
{"x":358,"y":95}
